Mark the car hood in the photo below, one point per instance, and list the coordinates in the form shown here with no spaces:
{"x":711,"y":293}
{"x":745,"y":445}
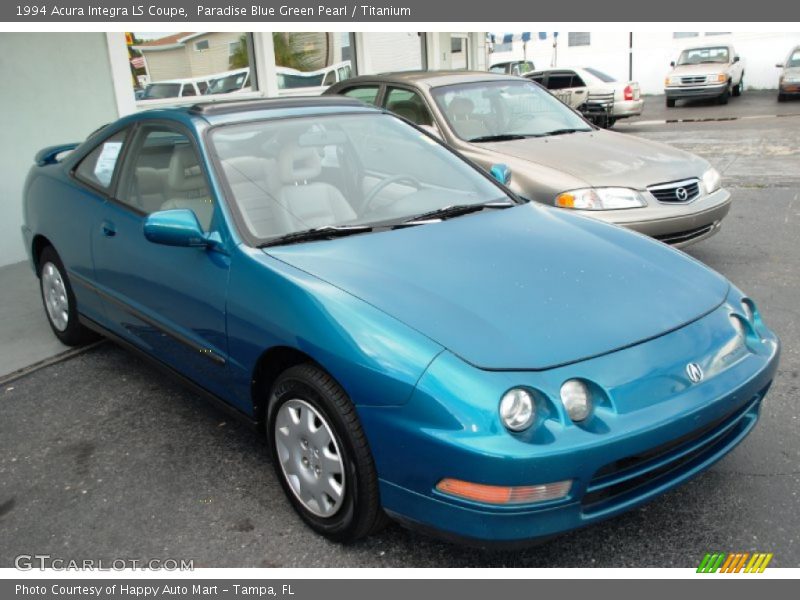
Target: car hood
{"x":605,"y":158}
{"x":701,"y":69}
{"x":528,"y":287}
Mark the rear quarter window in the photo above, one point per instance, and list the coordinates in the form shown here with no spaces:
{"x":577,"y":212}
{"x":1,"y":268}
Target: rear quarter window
{"x":97,"y":168}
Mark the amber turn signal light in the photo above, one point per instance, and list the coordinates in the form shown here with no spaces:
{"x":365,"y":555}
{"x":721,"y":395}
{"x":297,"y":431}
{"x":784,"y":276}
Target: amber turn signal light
{"x":504,"y":495}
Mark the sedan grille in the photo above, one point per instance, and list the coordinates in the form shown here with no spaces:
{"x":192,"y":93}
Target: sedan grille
{"x":693,"y":80}
{"x":676,"y":191}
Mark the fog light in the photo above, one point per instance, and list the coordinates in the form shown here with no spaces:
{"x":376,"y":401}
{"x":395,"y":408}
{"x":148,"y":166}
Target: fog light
{"x":577,"y":399}
{"x":500,"y":494}
{"x":517,"y":410}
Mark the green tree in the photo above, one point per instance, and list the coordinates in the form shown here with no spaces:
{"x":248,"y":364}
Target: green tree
{"x":240,"y":58}
{"x":290,"y":53}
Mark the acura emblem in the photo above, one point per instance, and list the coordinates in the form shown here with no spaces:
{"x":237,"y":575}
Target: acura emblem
{"x":682,"y":194}
{"x":694,"y":372}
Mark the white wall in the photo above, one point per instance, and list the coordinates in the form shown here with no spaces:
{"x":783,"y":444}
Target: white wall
{"x":652,"y":53}
{"x":62,"y":91}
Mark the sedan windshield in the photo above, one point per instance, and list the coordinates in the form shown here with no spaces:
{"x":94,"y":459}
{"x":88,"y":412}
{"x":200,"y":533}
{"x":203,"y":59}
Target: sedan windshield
{"x":794,"y":59}
{"x":333,"y":175}
{"x":486,"y":111}
{"x":700,"y":56}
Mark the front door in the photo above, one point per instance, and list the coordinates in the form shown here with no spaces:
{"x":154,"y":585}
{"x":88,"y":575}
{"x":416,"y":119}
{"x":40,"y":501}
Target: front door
{"x":170,"y":301}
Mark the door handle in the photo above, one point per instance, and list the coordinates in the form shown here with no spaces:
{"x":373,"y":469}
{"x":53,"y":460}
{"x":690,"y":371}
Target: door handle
{"x":108,"y":229}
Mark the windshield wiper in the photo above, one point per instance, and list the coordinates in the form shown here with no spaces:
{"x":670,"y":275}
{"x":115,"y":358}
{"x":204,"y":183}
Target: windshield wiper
{"x":455,"y":210}
{"x":564,"y":131}
{"x":500,"y":137}
{"x":318,"y":233}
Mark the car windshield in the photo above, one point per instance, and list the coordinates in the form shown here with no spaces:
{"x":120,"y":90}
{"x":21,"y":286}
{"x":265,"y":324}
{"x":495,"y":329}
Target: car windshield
{"x":600,"y":75}
{"x":225,"y":85}
{"x":162,"y":90}
{"x":342,"y":171}
{"x":794,"y":59}
{"x":496,"y":110}
{"x":699,"y":56}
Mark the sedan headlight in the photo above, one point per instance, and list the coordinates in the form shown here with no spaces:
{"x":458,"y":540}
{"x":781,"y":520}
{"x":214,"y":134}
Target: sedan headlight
{"x":711,"y":181}
{"x":517,"y":410}
{"x":791,"y":78}
{"x":610,"y":198}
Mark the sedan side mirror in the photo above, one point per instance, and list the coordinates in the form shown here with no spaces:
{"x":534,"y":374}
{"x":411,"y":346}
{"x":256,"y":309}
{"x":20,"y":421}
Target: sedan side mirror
{"x":779,"y":65}
{"x":177,"y":227}
{"x":735,"y":59}
{"x":672,"y":64}
{"x":501,"y":172}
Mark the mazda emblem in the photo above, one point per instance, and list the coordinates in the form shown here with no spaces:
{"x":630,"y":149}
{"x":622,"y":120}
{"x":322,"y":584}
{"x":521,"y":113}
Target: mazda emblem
{"x":694,"y":372}
{"x":682,"y":194}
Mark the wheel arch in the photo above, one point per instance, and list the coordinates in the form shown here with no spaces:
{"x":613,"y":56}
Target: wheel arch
{"x":269,"y":367}
{"x":38,"y":245}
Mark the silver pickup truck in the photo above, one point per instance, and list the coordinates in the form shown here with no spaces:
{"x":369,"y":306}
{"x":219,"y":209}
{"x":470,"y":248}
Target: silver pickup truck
{"x":705,"y":72}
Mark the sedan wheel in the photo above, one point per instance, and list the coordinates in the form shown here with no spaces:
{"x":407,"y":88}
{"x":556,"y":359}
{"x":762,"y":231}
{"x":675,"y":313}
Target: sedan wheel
{"x":321,"y":455}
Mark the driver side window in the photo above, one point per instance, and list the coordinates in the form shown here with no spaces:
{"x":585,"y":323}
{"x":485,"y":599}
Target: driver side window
{"x":164,"y":172}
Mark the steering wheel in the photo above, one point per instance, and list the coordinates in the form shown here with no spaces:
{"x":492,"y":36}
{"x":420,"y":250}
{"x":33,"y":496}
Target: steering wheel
{"x":373,"y":193}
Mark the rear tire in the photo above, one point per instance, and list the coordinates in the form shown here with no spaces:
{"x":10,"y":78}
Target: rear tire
{"x":321,"y":456}
{"x":59,"y":301}
{"x":670,"y":102}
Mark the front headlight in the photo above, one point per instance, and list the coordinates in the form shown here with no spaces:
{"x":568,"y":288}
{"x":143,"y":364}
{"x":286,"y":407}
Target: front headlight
{"x":791,"y":78}
{"x":517,"y":410}
{"x":718,"y":78}
{"x":610,"y":198}
{"x":711,"y":181}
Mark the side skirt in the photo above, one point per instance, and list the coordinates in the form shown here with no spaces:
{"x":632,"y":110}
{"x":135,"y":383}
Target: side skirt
{"x":251,"y":422}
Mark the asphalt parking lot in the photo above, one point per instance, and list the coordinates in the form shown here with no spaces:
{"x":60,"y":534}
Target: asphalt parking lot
{"x":102,"y":457}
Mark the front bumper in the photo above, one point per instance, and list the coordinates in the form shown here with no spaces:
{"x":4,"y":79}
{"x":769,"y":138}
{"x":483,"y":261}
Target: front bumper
{"x":698,"y":91}
{"x":657,"y":431}
{"x":789,"y":89}
{"x":677,"y":224}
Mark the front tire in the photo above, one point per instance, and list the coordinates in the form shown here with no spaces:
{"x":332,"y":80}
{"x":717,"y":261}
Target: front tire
{"x":737,"y":91}
{"x":723,"y":98}
{"x":321,"y":456}
{"x":670,"y":102}
{"x":59,"y":300}
{"x":782,"y":97}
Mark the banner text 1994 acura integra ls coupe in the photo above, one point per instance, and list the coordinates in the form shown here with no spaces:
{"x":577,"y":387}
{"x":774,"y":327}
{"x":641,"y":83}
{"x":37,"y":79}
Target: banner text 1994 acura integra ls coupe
{"x":416,"y":341}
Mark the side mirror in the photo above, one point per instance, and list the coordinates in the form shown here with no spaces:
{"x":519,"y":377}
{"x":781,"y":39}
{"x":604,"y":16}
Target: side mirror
{"x":779,"y":65}
{"x":433,"y":130}
{"x":672,"y":64}
{"x":735,"y":59}
{"x":177,"y":227}
{"x":501,"y":172}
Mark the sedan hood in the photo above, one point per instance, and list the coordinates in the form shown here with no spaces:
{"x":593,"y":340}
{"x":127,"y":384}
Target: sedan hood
{"x":522,"y":288}
{"x":605,"y":158}
{"x":699,"y":69}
